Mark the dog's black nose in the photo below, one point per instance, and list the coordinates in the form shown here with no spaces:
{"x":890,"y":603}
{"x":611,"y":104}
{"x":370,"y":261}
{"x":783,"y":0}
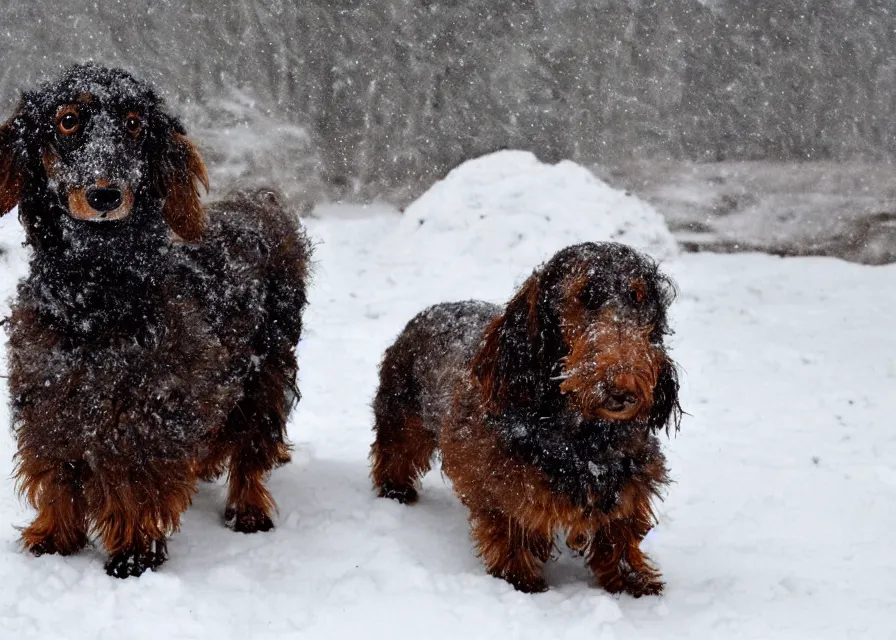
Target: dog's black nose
{"x":104,"y":198}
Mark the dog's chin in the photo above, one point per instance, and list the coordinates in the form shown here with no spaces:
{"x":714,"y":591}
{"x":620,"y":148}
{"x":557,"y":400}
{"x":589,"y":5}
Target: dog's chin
{"x":608,"y":415}
{"x":79,"y":209}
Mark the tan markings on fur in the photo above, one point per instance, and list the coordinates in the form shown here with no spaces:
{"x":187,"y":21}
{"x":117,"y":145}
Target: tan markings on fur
{"x":247,"y":491}
{"x":80,"y":209}
{"x":132,"y":508}
{"x":510,"y":551}
{"x":612,"y":356}
{"x":246,"y":476}
{"x":61,"y":524}
{"x":183,"y":209}
{"x":49,"y":159}
{"x":10,"y":186}
{"x":639,"y":289}
{"x":283,"y":455}
{"x":11,"y":179}
{"x":606,"y":354}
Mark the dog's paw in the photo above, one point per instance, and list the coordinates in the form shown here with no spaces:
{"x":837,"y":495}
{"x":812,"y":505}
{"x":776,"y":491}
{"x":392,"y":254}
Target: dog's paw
{"x":134,"y":563}
{"x":635,"y":584}
{"x":48,"y":545}
{"x":643,"y":584}
{"x":404,"y":495}
{"x":247,"y":519}
{"x":651,"y":587}
{"x":525,"y":584}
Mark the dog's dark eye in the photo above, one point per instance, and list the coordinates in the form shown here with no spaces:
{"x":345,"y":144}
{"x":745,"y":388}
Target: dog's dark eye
{"x":637,"y":291}
{"x":133,"y":124}
{"x":592,"y":298}
{"x":68,"y":123}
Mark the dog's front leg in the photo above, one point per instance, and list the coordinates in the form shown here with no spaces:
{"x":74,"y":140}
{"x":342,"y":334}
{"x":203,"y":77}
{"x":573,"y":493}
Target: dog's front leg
{"x":136,"y":509}
{"x":55,"y":489}
{"x":618,"y":563}
{"x":510,"y":551}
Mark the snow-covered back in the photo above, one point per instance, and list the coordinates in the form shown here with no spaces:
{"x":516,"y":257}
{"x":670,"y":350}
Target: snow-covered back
{"x":510,"y":207}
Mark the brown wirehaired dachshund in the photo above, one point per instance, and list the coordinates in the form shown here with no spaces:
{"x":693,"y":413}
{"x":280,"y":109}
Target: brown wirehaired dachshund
{"x":546,"y":413}
{"x":152,"y":343}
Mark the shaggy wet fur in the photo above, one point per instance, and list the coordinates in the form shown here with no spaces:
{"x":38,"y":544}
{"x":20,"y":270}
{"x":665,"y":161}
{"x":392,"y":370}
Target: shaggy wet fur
{"x":546,"y":412}
{"x":152,"y":343}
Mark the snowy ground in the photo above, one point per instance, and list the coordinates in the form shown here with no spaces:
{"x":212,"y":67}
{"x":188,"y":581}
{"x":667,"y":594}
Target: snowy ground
{"x":779,"y":525}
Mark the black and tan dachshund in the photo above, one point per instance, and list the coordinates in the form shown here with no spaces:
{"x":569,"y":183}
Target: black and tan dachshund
{"x":153,"y":342}
{"x":546,"y":413}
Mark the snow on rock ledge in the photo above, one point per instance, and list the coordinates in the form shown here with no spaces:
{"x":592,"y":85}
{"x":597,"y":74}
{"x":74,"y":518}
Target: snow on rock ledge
{"x":509,"y":206}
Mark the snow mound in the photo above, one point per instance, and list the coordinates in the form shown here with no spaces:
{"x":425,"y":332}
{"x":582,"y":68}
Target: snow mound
{"x":13,"y":257}
{"x":510,"y":206}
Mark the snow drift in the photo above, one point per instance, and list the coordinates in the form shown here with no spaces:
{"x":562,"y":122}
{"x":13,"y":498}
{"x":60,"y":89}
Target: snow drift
{"x":510,"y":207}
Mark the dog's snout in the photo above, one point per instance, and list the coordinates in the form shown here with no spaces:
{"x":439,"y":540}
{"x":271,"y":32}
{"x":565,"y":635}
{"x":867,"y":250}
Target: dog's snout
{"x":104,"y":199}
{"x":620,"y":401}
{"x":625,"y":397}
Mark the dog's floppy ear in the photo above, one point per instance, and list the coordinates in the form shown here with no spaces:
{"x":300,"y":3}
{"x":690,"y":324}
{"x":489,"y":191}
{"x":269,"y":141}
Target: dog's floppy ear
{"x":509,"y":364}
{"x":666,"y":411}
{"x":12,"y":161}
{"x":178,"y":171}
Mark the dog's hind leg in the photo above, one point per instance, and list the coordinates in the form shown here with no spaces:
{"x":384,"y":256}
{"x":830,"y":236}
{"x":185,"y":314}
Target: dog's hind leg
{"x":256,"y":433}
{"x":56,"y":490}
{"x":403,"y":449}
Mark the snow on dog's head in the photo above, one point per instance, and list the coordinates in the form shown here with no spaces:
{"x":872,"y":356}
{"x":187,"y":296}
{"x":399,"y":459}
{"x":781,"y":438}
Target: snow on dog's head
{"x":509,"y":206}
